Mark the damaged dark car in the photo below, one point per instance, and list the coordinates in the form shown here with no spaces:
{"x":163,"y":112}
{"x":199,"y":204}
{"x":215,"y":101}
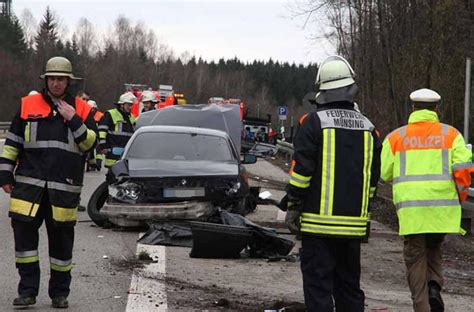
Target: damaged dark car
{"x":177,"y":172}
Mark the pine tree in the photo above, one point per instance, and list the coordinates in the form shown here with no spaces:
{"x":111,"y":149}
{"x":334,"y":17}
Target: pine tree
{"x":12,"y":38}
{"x":47,"y":36}
{"x":75,"y":47}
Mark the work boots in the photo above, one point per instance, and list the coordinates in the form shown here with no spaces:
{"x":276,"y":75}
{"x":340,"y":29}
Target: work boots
{"x":24,"y":301}
{"x":434,"y":294}
{"x":60,"y":303}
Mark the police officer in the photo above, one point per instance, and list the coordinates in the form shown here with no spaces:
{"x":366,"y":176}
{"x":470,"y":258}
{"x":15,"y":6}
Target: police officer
{"x":46,"y":143}
{"x":429,"y":166}
{"x":116,"y":128}
{"x":334,"y":174}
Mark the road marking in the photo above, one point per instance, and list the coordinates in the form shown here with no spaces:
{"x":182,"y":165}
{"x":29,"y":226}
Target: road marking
{"x":148,"y":289}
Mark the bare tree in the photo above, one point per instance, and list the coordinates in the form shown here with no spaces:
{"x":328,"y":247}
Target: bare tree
{"x":30,"y":27}
{"x":86,"y":38}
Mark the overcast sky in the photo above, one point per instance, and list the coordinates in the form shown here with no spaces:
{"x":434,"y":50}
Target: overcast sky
{"x":249,"y":30}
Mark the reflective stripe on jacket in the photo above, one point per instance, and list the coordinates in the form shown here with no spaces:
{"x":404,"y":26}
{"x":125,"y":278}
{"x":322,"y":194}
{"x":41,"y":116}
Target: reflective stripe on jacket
{"x":335,"y":170}
{"x":115,"y":130}
{"x":428,"y":163}
{"x":49,"y":152}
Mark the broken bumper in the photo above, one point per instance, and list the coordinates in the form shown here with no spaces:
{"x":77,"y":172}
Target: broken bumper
{"x":188,"y":210}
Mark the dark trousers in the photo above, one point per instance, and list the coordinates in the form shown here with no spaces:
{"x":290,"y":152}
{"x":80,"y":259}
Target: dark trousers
{"x":60,"y":243}
{"x":331,"y":274}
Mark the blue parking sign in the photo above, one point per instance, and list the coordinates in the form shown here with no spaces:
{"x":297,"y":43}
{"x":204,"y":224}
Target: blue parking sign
{"x":282,"y":112}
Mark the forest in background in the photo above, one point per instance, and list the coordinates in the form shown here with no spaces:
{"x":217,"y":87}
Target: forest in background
{"x":394,"y":46}
{"x":131,"y":53}
{"x":397,"y":47}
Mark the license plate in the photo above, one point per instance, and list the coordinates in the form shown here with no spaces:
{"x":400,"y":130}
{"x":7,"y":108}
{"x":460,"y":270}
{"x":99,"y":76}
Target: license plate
{"x":183,"y":192}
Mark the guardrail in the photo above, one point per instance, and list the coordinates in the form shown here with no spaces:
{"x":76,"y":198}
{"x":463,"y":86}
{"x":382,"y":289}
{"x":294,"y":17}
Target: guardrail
{"x":286,"y":149}
{"x":4,"y":126}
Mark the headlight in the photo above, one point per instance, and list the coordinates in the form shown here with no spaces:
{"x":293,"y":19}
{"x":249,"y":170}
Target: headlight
{"x":234,"y":188}
{"x":127,"y":191}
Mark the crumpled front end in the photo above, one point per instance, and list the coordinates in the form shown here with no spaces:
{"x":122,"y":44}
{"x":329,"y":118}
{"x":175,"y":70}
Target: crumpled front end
{"x":188,"y":210}
{"x":172,"y":198}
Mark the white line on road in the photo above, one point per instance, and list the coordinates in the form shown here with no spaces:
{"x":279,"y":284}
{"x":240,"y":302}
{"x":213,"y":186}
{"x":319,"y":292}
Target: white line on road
{"x":148,"y":288}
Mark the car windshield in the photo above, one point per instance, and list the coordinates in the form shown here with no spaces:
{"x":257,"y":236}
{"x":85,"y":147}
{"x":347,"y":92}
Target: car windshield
{"x":179,"y":146}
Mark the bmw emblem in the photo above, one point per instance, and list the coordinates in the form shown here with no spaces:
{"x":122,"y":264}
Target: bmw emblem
{"x":183,"y":182}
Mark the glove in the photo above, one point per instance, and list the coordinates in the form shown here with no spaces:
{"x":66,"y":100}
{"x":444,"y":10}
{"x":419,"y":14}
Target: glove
{"x":292,"y":220}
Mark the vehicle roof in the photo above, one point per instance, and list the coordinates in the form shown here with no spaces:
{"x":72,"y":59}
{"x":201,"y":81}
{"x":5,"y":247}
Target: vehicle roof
{"x":219,"y":117}
{"x":181,"y":129}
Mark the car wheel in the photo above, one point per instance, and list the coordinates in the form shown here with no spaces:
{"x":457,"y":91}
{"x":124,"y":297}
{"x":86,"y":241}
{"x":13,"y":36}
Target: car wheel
{"x":96,"y":202}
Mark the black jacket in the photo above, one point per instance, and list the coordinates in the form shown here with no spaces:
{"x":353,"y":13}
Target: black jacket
{"x":48,"y":153}
{"x":335,"y":170}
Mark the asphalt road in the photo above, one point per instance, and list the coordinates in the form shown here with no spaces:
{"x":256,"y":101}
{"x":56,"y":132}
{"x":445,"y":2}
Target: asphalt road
{"x":107,"y":276}
{"x":97,"y":285}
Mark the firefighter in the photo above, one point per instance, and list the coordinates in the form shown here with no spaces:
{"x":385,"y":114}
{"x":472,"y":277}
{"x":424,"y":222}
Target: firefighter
{"x":94,"y":159}
{"x":149,"y":101}
{"x":95,"y":111}
{"x":84,"y":95}
{"x":333,"y":177}
{"x":429,"y":166}
{"x":116,"y":128}
{"x":98,"y":115}
{"x":42,"y":168}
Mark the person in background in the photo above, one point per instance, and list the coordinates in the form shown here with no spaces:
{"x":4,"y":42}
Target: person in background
{"x":149,"y":101}
{"x":116,"y":128}
{"x":83,"y":95}
{"x":94,"y":159}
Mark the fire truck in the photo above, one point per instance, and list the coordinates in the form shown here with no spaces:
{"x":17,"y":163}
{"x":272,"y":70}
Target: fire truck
{"x":165,"y":96}
{"x":254,"y":128}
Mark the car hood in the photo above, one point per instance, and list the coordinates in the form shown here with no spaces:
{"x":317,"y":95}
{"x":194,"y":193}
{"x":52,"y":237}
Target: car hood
{"x":166,"y":168}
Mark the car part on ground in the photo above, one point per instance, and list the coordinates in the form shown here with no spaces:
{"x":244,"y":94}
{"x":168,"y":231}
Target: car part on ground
{"x":211,"y":240}
{"x":171,"y":233}
{"x":223,"y":235}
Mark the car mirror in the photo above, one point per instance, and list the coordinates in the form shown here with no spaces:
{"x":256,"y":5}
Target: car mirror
{"x":249,"y":159}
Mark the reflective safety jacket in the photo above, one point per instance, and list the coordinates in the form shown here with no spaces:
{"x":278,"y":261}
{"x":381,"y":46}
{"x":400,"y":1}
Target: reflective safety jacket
{"x":335,"y":170}
{"x":48,"y":153}
{"x":98,"y":116}
{"x":428,"y":164}
{"x":115,"y":129}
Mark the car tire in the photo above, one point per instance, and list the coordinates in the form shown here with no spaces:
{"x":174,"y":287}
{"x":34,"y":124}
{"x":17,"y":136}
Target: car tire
{"x":96,"y":202}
